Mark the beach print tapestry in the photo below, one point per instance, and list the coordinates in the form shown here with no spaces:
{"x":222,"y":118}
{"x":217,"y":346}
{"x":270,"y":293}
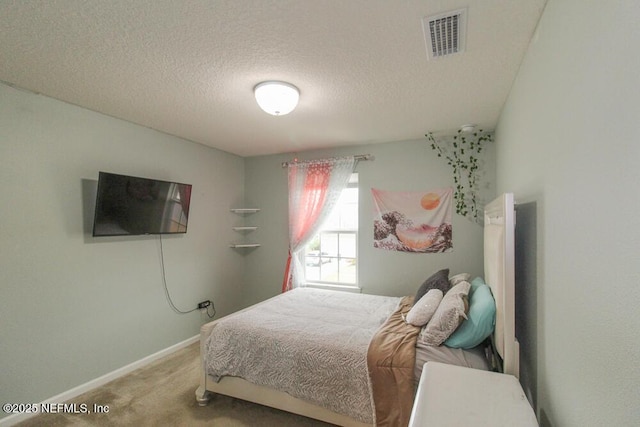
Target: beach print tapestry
{"x":413,"y":221}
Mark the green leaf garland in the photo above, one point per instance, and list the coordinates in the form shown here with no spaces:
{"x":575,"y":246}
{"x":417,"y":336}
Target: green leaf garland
{"x":462,"y":154}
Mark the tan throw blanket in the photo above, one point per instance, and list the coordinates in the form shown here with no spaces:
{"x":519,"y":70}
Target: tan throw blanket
{"x":390,"y":359}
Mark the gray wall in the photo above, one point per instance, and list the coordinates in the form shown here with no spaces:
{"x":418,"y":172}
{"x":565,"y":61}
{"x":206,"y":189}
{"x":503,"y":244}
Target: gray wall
{"x":568,"y":146}
{"x":72,"y":307}
{"x":400,"y":166}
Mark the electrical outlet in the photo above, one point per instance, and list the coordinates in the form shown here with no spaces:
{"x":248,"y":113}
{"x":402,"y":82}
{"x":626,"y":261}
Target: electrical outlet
{"x":204,"y":304}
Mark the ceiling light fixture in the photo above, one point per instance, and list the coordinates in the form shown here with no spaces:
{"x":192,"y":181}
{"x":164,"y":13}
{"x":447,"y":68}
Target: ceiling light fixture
{"x":277,"y":98}
{"x":468,"y":128}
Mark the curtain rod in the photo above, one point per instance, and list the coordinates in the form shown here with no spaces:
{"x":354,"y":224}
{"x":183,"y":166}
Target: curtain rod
{"x":357,"y":158}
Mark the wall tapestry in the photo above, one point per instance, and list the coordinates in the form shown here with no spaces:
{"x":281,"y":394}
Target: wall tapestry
{"x":413,"y":221}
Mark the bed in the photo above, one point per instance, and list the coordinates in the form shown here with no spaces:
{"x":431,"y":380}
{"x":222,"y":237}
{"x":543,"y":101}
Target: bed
{"x":326,"y":358}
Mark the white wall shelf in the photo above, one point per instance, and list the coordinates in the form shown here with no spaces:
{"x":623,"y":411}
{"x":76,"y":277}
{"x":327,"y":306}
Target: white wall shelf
{"x":244,"y":228}
{"x":245,"y":210}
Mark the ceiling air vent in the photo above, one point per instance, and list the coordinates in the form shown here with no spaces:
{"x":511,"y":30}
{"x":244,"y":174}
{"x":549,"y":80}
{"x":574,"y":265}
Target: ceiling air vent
{"x":445,"y":33}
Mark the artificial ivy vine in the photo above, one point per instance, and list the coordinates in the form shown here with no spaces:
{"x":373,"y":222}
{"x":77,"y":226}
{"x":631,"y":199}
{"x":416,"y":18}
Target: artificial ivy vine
{"x":462,"y":154}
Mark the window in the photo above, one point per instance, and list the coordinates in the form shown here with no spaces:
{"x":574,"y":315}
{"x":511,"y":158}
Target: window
{"x":331,"y":257}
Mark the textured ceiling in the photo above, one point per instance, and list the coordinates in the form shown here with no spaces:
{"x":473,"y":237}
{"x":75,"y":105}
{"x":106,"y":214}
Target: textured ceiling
{"x":188,"y":67}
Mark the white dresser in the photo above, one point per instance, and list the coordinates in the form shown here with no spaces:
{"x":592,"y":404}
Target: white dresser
{"x":454,"y":396}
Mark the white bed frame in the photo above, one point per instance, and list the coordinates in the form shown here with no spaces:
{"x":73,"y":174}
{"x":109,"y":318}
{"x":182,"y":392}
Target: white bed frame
{"x":242,"y":389}
{"x":499,"y":274}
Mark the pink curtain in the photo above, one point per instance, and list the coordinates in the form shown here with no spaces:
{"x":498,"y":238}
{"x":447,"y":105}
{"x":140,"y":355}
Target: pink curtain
{"x":314,"y":189}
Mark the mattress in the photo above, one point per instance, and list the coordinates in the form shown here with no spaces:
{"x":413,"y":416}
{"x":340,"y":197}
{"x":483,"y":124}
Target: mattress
{"x":309,"y":343}
{"x":472,"y":358}
{"x":312,"y":344}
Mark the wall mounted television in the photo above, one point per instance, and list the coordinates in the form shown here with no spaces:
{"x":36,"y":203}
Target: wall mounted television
{"x":129,"y":205}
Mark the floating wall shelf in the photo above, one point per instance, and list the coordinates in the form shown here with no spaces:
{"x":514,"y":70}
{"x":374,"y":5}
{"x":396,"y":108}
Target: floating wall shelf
{"x":245,"y":210}
{"x":245,"y":228}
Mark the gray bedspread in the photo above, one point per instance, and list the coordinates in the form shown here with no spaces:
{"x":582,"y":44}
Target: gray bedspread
{"x":310,"y":343}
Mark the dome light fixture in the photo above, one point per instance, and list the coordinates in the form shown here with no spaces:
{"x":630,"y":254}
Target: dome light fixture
{"x":276,"y":98}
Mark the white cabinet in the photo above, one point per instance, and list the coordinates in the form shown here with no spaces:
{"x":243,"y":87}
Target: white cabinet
{"x":244,"y":229}
{"x":451,"y":395}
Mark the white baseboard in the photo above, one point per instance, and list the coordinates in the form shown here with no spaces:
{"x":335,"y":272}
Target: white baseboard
{"x":90,"y":385}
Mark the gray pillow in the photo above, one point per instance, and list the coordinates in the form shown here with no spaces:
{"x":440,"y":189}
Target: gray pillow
{"x":451,"y":312}
{"x":439,"y":280}
{"x":423,"y":310}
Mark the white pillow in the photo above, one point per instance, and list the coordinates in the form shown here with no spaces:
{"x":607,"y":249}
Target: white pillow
{"x":423,"y":310}
{"x":450,"y":314}
{"x":462,"y":277}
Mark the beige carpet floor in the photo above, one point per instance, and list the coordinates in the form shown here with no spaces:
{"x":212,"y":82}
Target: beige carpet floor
{"x":163,"y":394}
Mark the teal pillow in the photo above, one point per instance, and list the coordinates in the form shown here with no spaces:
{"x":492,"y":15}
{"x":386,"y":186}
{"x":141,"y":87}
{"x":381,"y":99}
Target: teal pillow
{"x":481,"y":318}
{"x":476,"y":283}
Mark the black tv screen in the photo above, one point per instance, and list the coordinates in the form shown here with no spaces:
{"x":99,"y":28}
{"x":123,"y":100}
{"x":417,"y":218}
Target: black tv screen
{"x":129,"y":205}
